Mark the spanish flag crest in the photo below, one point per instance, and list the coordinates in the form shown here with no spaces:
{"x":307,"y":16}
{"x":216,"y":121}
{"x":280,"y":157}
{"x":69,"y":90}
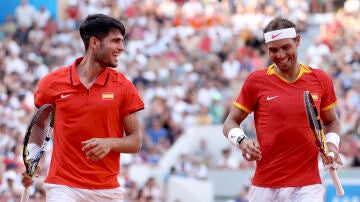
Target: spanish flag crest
{"x":108,"y":96}
{"x":315,"y":96}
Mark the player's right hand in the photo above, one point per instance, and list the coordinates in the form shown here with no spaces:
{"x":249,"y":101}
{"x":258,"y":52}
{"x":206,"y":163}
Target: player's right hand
{"x":333,"y":160}
{"x":250,"y":149}
{"x":26,"y":180}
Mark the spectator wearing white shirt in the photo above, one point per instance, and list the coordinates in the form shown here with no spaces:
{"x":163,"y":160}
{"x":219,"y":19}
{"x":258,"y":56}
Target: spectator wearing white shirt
{"x":231,"y":67}
{"x":42,"y":16}
{"x":25,"y":14}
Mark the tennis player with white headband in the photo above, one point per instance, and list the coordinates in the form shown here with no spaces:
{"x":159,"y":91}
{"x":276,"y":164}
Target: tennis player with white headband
{"x":284,"y":149}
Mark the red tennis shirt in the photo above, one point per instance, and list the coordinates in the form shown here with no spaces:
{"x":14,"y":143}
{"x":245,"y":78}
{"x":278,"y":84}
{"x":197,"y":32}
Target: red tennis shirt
{"x":81,"y":114}
{"x":289,"y":152}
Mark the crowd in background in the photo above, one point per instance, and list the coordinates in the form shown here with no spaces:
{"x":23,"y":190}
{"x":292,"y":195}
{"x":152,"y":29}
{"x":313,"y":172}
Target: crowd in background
{"x":187,"y":59}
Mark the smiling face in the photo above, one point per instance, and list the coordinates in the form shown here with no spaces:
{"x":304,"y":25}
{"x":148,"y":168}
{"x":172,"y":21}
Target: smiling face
{"x":109,"y":49}
{"x":283,"y":53}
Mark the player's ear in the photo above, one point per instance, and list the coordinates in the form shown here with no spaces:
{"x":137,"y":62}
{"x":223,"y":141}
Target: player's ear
{"x":297,"y":40}
{"x":94,"y":43}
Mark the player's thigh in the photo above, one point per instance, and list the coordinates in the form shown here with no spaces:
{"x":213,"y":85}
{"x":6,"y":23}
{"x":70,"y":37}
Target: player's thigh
{"x":313,"y":193}
{"x":59,"y":193}
{"x":262,"y":194}
{"x":108,"y":195}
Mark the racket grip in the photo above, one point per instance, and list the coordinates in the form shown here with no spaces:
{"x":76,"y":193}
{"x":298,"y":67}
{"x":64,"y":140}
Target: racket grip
{"x":335,"y":178}
{"x":25,"y":195}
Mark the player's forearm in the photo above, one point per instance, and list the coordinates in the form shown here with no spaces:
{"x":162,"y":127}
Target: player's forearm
{"x":333,"y":126}
{"x":233,"y":120}
{"x":129,"y":144}
{"x":228,"y":125}
{"x":332,"y":133}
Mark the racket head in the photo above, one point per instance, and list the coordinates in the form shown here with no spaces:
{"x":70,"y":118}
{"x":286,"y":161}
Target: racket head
{"x":37,"y":136}
{"x":315,"y":122}
{"x":318,"y":132}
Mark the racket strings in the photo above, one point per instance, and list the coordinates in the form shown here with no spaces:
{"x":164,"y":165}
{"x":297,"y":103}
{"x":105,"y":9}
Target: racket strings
{"x":315,"y":122}
{"x":41,"y":131}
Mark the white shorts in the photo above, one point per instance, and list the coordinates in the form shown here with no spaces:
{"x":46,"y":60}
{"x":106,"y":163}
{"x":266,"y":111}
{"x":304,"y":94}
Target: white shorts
{"x":61,"y":193}
{"x":313,"y":193}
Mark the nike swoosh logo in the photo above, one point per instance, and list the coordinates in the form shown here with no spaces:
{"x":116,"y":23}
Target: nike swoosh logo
{"x":276,"y":35}
{"x":270,"y":98}
{"x":64,"y":96}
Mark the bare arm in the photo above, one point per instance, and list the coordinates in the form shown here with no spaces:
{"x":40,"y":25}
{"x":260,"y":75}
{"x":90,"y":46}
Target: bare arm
{"x":249,"y":147}
{"x":233,"y":120}
{"x":98,"y":148}
{"x":331,"y":125}
{"x":330,"y":121}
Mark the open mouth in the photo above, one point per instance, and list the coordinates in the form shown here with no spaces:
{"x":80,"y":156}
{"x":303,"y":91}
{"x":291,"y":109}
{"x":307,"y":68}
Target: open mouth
{"x":282,"y":62}
{"x":116,"y":56}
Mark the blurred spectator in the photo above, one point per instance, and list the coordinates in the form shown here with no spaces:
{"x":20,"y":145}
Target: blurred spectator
{"x":25,"y":14}
{"x":199,"y":169}
{"x":216,"y":109}
{"x":349,"y":149}
{"x":10,"y":26}
{"x":243,"y":194}
{"x":12,"y":187}
{"x":22,"y":34}
{"x":152,"y":190}
{"x":317,"y":53}
{"x":156,"y":131}
{"x":203,"y":118}
{"x":231,"y":66}
{"x":298,"y":10}
{"x":167,"y":9}
{"x":42,"y":16}
{"x":183,"y":165}
{"x":356,"y":162}
{"x":228,"y":161}
{"x":204,"y":153}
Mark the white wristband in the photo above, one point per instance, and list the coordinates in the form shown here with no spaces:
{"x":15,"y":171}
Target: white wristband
{"x":333,"y":138}
{"x":234,"y":134}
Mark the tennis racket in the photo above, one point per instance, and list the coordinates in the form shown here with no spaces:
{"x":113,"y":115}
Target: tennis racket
{"x":37,"y":136}
{"x":318,"y":131}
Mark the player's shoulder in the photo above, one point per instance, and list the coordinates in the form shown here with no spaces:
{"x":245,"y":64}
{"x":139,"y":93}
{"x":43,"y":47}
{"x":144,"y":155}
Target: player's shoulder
{"x":61,"y":71}
{"x":57,"y":74}
{"x":118,"y":77}
{"x":316,"y":71}
{"x":258,"y":74}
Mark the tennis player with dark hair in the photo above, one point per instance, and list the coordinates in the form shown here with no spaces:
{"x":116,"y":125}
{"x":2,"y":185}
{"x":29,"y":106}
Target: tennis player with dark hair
{"x":95,"y":118}
{"x":285,"y":151}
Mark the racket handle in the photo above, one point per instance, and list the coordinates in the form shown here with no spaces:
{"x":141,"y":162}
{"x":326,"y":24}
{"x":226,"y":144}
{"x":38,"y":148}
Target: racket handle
{"x":25,"y":195}
{"x":335,"y":178}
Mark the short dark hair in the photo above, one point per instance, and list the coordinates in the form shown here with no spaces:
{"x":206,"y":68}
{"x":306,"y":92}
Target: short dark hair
{"x":99,"y":26}
{"x":279,"y":23}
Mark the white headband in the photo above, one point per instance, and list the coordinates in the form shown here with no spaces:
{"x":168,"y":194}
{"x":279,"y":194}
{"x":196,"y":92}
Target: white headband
{"x":280,"y":34}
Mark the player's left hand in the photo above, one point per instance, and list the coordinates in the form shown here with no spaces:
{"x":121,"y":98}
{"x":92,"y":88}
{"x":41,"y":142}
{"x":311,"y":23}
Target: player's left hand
{"x":250,"y":149}
{"x":333,"y":160}
{"x":97,"y":148}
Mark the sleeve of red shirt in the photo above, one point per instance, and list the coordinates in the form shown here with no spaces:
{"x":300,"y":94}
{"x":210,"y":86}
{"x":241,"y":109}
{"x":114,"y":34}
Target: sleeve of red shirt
{"x":132,"y":101}
{"x":328,"y":97}
{"x":248,"y":95}
{"x":43,"y":93}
